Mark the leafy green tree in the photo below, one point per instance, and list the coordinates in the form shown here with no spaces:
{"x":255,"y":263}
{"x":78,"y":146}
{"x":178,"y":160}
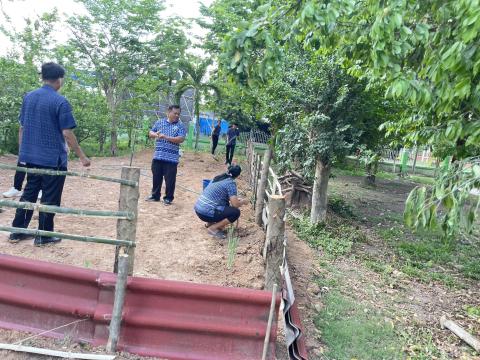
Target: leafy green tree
{"x":449,"y":203}
{"x":31,"y":43}
{"x":120,"y":40}
{"x":238,"y":104}
{"x":194,"y":76}
{"x":16,"y":79}
{"x":324,"y":111}
{"x":423,"y":51}
{"x":89,"y":106}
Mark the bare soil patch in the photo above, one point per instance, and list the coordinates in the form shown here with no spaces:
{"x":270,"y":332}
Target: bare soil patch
{"x":172,"y":242}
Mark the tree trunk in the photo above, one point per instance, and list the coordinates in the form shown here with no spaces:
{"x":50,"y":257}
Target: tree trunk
{"x":113,"y":126}
{"x":130,"y":133}
{"x":369,"y":180}
{"x":415,"y":160}
{"x":267,"y":157}
{"x":319,"y":198}
{"x":113,"y":138}
{"x":197,"y":115}
{"x":101,"y":140}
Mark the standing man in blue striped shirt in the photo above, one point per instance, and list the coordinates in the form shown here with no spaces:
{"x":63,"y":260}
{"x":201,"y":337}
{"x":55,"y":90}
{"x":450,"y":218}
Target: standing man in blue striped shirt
{"x":168,"y":133}
{"x":46,"y":127}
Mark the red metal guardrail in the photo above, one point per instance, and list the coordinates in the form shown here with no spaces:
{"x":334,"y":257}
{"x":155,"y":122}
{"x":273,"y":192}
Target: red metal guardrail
{"x":167,"y":319}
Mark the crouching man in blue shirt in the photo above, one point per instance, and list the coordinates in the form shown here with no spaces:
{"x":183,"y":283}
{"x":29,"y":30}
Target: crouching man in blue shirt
{"x":46,"y":124}
{"x":218,"y":205}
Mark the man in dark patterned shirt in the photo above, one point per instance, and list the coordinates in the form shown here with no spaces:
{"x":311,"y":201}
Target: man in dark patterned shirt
{"x":46,"y":124}
{"x":169,"y":134}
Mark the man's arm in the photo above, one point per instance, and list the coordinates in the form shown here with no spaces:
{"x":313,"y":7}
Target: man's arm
{"x":158,"y":135}
{"x":237,"y":202}
{"x":175,"y":140}
{"x":73,"y":144}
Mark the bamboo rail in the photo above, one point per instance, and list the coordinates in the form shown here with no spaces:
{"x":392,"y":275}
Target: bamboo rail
{"x":62,"y":210}
{"x":67,"y":173}
{"x":68,"y":236}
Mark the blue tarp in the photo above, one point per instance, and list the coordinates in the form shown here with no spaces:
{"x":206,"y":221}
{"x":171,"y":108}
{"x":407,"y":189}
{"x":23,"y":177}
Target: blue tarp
{"x":206,"y":126}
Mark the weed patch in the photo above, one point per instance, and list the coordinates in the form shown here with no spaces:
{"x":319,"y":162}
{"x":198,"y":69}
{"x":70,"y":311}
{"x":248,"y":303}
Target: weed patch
{"x":340,"y":207}
{"x":332,"y":238}
{"x":354,"y":331}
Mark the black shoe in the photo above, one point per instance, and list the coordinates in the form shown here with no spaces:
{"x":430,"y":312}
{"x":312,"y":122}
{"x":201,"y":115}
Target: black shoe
{"x":151,"y":198}
{"x":167,"y":202}
{"x":16,"y":237}
{"x":44,"y":240}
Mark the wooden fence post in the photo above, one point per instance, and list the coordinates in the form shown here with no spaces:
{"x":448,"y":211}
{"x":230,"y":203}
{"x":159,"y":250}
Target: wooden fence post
{"x":256,"y":172}
{"x":120,"y":287}
{"x":127,"y":229}
{"x":274,"y":242}
{"x":267,"y":157}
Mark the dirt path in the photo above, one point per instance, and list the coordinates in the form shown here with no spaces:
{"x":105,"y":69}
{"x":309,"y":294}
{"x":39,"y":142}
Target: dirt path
{"x":172,"y":242}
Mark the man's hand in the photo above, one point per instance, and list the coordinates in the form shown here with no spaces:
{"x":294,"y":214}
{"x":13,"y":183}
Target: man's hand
{"x":85,"y":161}
{"x":244,"y":201}
{"x":160,"y":135}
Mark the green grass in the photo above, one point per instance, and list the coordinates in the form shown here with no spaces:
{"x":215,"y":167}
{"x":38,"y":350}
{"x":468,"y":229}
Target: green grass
{"x":339,"y":206}
{"x":92,"y":148}
{"x":334,"y":238}
{"x":423,"y":255}
{"x":426,"y":180}
{"x":346,"y":170}
{"x":352,"y":330}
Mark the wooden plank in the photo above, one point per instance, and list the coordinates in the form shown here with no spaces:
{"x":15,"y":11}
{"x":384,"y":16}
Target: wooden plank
{"x":461,"y":333}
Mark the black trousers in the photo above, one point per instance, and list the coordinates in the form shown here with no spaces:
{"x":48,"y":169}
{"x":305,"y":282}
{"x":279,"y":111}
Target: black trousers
{"x":231,"y":213}
{"x":214,"y":143}
{"x":164,"y":169}
{"x":19,"y":177}
{"x":229,"y":153}
{"x":52,"y":188}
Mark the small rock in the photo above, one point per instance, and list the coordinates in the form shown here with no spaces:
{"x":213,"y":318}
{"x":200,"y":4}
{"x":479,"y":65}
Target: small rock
{"x":313,"y":289}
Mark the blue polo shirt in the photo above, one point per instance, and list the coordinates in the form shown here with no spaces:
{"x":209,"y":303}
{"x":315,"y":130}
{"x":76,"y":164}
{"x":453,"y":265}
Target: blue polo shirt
{"x":232,"y":135}
{"x":44,"y":114}
{"x":166,"y":150}
{"x":215,"y":197}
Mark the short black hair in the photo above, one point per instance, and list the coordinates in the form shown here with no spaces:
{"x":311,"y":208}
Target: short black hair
{"x":171,"y":107}
{"x":52,"y":71}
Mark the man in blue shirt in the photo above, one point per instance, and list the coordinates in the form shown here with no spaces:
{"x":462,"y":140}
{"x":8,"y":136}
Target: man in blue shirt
{"x":232,"y":135}
{"x":46,"y":124}
{"x":169,"y":134}
{"x":218,"y":205}
{"x":215,"y":135}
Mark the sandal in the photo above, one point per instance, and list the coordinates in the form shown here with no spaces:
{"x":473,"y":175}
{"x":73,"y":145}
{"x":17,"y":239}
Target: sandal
{"x":217,"y":234}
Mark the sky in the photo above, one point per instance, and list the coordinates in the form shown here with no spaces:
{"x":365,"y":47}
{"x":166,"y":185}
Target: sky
{"x":18,"y":10}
